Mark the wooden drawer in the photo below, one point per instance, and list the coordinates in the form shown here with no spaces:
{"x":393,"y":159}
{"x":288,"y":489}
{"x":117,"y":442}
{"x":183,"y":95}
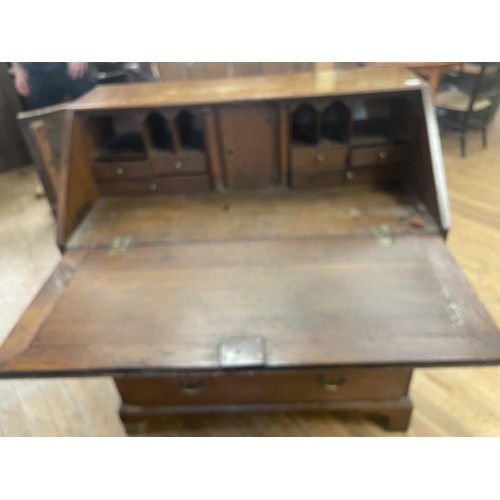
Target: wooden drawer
{"x":180,"y":164}
{"x":113,"y":171}
{"x":380,"y":155}
{"x":310,"y":178}
{"x":265,"y":387}
{"x":172,"y":185}
{"x":304,"y":157}
{"x":373,"y":174}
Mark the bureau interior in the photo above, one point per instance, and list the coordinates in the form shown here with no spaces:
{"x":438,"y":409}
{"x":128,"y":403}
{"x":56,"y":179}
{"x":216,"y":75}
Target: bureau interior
{"x":362,"y":150}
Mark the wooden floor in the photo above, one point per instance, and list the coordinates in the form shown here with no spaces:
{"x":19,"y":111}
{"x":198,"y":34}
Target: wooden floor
{"x":448,"y":402}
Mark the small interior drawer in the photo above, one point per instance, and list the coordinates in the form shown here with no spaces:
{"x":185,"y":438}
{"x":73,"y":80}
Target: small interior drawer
{"x":380,"y":155}
{"x":179,"y":164}
{"x":314,"y":178}
{"x":373,"y":174}
{"x":121,"y":170}
{"x":265,"y":386}
{"x":158,"y":185}
{"x":304,"y":157}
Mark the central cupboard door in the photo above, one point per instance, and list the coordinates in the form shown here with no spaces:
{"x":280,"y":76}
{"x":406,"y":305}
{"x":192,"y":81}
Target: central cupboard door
{"x":249,"y":142}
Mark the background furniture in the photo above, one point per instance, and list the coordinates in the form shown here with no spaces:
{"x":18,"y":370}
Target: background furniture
{"x":182,"y":71}
{"x":472,"y":103}
{"x":432,"y":70}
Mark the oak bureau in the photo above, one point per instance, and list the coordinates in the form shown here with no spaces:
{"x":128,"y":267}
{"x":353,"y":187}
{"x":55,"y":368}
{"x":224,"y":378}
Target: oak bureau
{"x":262,"y":243}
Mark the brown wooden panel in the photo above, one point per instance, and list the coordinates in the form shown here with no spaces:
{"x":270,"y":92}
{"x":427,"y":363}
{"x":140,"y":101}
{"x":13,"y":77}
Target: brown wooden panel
{"x":79,"y":190}
{"x":374,"y":174}
{"x":207,"y":70}
{"x":249,"y":143}
{"x":426,"y":169}
{"x":251,"y":215}
{"x":181,"y":71}
{"x":252,"y":88}
{"x":380,"y":155}
{"x":158,"y":420}
{"x":158,"y":185}
{"x":173,"y":71}
{"x":276,"y":68}
{"x":246,"y":68}
{"x":192,"y":162}
{"x":121,"y":170}
{"x":315,"y":178}
{"x":54,"y":119}
{"x":302,"y":67}
{"x":324,"y":302}
{"x":264,"y":386}
{"x":315,"y":157}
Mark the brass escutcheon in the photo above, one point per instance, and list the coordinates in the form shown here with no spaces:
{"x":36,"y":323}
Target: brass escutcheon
{"x":191,"y":387}
{"x":332,"y":384}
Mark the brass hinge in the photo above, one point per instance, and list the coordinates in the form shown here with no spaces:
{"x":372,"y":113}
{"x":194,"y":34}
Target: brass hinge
{"x":119,"y":246}
{"x":382,"y":234}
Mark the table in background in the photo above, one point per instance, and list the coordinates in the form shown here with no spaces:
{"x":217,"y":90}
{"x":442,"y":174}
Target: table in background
{"x":432,"y":70}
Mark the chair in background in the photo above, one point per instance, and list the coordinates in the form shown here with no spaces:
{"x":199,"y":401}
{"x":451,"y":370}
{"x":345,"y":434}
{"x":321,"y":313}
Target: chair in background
{"x":473,"y":106}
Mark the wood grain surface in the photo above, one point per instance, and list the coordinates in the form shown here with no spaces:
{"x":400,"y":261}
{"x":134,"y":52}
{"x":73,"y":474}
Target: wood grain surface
{"x":448,"y":402}
{"x":247,"y":89}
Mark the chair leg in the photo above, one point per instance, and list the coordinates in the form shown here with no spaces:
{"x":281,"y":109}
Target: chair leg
{"x":462,"y":144}
{"x":485,"y":138}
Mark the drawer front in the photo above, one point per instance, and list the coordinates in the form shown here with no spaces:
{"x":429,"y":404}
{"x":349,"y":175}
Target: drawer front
{"x":179,"y":164}
{"x":310,"y":178}
{"x":104,"y":172}
{"x":373,"y":174}
{"x":380,"y":155}
{"x":265,"y":387}
{"x":172,"y":185}
{"x":318,"y":157}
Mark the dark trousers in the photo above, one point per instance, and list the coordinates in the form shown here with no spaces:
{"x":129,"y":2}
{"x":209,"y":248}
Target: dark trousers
{"x":52,"y":87}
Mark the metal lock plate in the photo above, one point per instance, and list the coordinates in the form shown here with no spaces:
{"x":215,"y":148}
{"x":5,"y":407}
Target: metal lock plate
{"x":382,"y":234}
{"x":236,"y":352}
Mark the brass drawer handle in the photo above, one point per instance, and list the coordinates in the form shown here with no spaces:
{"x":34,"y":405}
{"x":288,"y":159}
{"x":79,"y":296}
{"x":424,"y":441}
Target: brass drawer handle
{"x":191,"y":387}
{"x":350,"y":174}
{"x":178,"y":164}
{"x":320,"y":156}
{"x":382,"y":155}
{"x":153,"y":186}
{"x":119,"y":171}
{"x":332,"y":384}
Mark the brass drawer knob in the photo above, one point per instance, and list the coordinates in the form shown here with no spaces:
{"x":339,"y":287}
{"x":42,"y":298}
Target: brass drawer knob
{"x":332,"y":384}
{"x":191,"y":387}
{"x":350,"y":174}
{"x":320,"y":156}
{"x":153,"y":186}
{"x":178,"y":164}
{"x":382,"y":155}
{"x":119,"y":171}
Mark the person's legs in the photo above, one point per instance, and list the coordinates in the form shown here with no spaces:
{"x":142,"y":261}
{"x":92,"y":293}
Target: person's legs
{"x":52,"y":87}
{"x":46,"y":89}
